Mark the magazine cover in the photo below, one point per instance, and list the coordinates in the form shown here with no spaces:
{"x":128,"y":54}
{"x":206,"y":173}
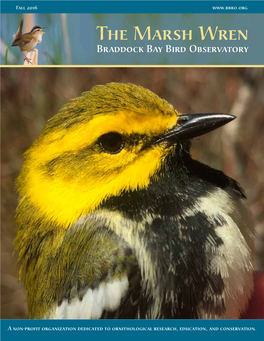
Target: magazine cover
{"x":132,"y":165}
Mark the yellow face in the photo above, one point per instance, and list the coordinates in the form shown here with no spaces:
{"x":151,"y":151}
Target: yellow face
{"x":72,"y":168}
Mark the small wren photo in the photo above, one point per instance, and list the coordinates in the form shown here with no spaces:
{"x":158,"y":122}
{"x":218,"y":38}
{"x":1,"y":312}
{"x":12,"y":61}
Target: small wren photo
{"x":35,"y":39}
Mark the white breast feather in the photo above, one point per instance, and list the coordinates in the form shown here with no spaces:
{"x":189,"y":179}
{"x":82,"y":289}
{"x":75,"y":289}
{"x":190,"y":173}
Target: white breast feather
{"x":233,"y":260}
{"x":107,"y":297}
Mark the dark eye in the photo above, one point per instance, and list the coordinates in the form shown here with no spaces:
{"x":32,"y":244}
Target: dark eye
{"x":111,"y":143}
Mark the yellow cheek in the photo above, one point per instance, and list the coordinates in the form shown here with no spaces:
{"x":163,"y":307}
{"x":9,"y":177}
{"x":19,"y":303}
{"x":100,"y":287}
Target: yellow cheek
{"x":104,"y":163}
{"x":64,"y":202}
{"x":67,"y":194}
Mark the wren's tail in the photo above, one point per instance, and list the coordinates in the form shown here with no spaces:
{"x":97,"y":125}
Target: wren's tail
{"x":19,"y":31}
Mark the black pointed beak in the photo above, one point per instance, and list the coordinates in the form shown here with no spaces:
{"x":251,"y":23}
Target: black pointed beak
{"x":189,"y":126}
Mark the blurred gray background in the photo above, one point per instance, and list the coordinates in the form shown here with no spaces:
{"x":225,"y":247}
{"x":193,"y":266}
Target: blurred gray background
{"x":31,"y":96}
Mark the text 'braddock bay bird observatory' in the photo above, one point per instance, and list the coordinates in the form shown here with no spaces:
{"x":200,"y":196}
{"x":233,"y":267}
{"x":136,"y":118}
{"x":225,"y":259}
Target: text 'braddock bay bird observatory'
{"x":147,"y":34}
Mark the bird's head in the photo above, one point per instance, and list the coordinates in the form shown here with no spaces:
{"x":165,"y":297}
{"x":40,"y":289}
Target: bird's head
{"x":37,"y":31}
{"x":112,"y":139}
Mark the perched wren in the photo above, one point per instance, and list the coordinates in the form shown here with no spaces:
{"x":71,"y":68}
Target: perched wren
{"x":28,"y":41}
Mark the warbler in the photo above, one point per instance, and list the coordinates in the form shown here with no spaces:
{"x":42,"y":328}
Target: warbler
{"x":116,"y":220}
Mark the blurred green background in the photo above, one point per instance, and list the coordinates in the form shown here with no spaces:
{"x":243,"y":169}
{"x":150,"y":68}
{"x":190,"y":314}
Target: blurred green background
{"x":31,"y":96}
